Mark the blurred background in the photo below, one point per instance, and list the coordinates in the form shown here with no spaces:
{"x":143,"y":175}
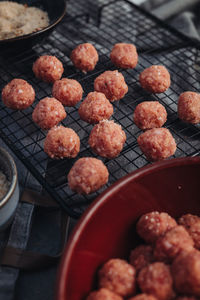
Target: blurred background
{"x":182,"y":14}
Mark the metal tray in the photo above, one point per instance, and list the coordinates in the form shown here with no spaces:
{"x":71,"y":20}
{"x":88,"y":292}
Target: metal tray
{"x":112,"y":22}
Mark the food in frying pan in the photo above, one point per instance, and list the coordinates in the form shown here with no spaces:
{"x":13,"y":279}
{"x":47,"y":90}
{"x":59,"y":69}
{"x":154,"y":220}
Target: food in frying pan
{"x":118,"y":276}
{"x":189,"y":107}
{"x":192,"y":225}
{"x":186,"y":272}
{"x":157,"y":144}
{"x":112,"y":84}
{"x":141,"y":256}
{"x":48,"y":68}
{"x":156,"y":279}
{"x":18,"y":19}
{"x":68,"y":91}
{"x":62,"y":142}
{"x":95,"y":107}
{"x":48,"y":113}
{"x":18,"y":94}
{"x":87,"y":175}
{"x":104,"y":294}
{"x":153,"y":225}
{"x":149,"y":114}
{"x":84,"y":57}
{"x":155,"y":79}
{"x":107,"y":139}
{"x":174,"y":241}
{"x":124,"y":56}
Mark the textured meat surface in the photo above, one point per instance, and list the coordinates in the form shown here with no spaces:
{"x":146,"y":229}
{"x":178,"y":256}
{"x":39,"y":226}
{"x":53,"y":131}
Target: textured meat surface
{"x":118,"y":276}
{"x":68,"y":91}
{"x":18,"y":94}
{"x":112,"y":84}
{"x":48,"y":68}
{"x":157,"y":144}
{"x":155,"y":79}
{"x":87,"y":175}
{"x":95,"y":107}
{"x":62,"y":142}
{"x":48,"y":113}
{"x":107,"y":139}
{"x":124,"y":56}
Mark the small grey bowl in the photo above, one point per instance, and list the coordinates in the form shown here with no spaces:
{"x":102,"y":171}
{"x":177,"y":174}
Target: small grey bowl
{"x":8,"y":203}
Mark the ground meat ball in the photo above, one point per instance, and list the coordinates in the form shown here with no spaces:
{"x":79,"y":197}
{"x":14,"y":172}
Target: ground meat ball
{"x":107,"y":139}
{"x":68,"y":91}
{"x":155,"y":79}
{"x":156,"y":279}
{"x":95,"y":107}
{"x":154,"y":224}
{"x":172,"y":243}
{"x":104,"y":294}
{"x":157,"y":144}
{"x":141,"y":256}
{"x":48,"y":113}
{"x":185,"y":298}
{"x":84,"y":57}
{"x":124,"y":55}
{"x":189,"y":107}
{"x":48,"y":68}
{"x":112,"y":84}
{"x":186,"y":273}
{"x":87,"y":175}
{"x":18,"y":94}
{"x":144,"y":297}
{"x":62,"y":142}
{"x":149,"y":114}
{"x":192,"y":225}
{"x":118,"y":276}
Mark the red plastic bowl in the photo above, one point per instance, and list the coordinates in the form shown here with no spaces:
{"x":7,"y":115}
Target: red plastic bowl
{"x":107,"y":229}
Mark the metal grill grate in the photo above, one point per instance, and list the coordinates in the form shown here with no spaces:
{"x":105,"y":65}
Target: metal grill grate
{"x":156,"y":44}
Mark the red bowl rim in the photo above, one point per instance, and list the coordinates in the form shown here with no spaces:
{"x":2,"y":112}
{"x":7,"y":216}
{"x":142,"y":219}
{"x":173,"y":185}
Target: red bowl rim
{"x":74,"y":236}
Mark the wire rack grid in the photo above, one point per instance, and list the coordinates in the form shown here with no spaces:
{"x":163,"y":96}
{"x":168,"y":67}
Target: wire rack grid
{"x":156,"y":44}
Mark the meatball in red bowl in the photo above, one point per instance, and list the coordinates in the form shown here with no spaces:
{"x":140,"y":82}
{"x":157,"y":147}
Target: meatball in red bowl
{"x":99,"y":261}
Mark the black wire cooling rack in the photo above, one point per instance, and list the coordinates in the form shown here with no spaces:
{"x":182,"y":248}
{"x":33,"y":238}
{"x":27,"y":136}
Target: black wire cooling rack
{"x":107,"y":24}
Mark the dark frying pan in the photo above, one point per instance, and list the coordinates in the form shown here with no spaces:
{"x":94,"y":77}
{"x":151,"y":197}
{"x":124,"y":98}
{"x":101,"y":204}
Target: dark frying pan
{"x":56,"y":10}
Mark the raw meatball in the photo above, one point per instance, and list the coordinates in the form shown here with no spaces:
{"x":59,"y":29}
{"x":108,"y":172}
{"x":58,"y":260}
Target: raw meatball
{"x":107,"y":139}
{"x":155,"y":79}
{"x":124,"y":55}
{"x":118,"y":276}
{"x":48,"y":68}
{"x":156,"y":279}
{"x":157,"y":144}
{"x":172,"y":243}
{"x":189,"y":107}
{"x":149,"y":114}
{"x":18,"y":94}
{"x":186,"y":273}
{"x":154,"y":224}
{"x":87,"y":175}
{"x":192,"y":225}
{"x":48,"y":113}
{"x":62,"y":142}
{"x":141,"y":256}
{"x":186,"y":298}
{"x":112,"y":84}
{"x":95,"y":107}
{"x":84,"y":57}
{"x":68,"y":91}
{"x":144,"y":297}
{"x":104,"y":294}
